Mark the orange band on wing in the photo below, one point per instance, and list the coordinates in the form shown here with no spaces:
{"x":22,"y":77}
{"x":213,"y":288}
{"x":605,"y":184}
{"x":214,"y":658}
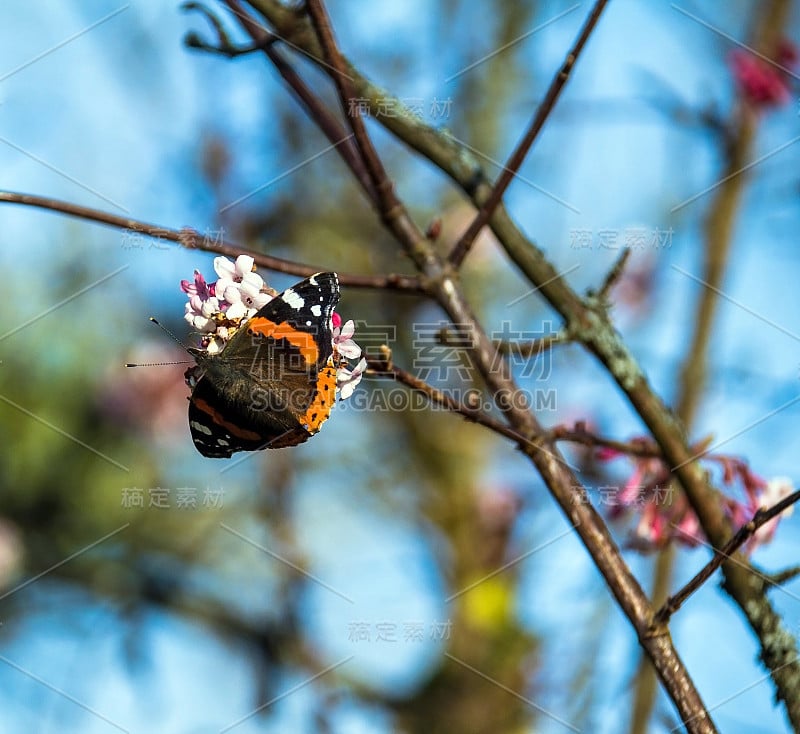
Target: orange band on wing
{"x":320,"y":407}
{"x":231,"y":428}
{"x":303,"y":340}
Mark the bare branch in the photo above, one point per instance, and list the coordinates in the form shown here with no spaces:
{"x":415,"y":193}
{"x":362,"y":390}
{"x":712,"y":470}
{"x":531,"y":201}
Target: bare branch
{"x":465,"y":242}
{"x":384,"y":368}
{"x":614,"y":275}
{"x":333,"y":130}
{"x":193,"y":240}
{"x":782,"y":577}
{"x":579,"y":434}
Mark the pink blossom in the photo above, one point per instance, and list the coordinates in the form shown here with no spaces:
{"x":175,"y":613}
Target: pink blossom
{"x":761,"y":82}
{"x":775,"y":490}
{"x":606,"y":453}
{"x":198,"y":288}
{"x":346,"y":351}
{"x":498,"y":508}
{"x":688,"y":530}
{"x":662,"y":518}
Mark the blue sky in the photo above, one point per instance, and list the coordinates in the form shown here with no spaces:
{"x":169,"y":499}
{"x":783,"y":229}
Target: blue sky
{"x":113,"y":119}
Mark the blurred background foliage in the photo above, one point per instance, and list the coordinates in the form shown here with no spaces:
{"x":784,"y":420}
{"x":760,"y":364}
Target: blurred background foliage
{"x":330,"y":587}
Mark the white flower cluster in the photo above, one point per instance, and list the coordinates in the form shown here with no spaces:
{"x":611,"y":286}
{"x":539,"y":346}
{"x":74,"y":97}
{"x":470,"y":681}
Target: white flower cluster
{"x":218,"y":309}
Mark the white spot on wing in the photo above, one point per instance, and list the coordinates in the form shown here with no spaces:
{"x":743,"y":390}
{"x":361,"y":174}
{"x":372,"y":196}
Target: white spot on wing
{"x":200,"y":428}
{"x":316,"y":309}
{"x":295,"y":301}
{"x":313,"y":280}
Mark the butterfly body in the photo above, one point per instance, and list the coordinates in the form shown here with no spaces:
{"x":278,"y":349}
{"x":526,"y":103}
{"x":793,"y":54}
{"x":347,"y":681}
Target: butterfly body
{"x":274,"y":382}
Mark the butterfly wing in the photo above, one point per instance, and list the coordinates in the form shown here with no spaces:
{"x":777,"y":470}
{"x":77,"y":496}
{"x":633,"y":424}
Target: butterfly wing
{"x":216,"y":432}
{"x":274,"y":383}
{"x":300,"y":319}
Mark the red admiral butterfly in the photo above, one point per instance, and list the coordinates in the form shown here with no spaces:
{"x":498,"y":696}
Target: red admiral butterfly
{"x":274,"y":383}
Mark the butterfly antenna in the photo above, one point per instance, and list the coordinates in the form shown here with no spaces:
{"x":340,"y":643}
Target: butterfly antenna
{"x":154,"y":364}
{"x":167,"y":331}
{"x":171,"y":336}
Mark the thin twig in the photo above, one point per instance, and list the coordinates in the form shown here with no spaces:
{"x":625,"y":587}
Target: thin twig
{"x":614,"y":274}
{"x":465,"y":242}
{"x":532,"y":348}
{"x":384,"y":367}
{"x":224,"y":44}
{"x":638,"y":447}
{"x":579,"y":434}
{"x":192,"y":40}
{"x":450,"y":336}
{"x":762,"y":516}
{"x":194,"y":240}
{"x":387,"y":202}
{"x":781,"y":577}
{"x":333,"y":130}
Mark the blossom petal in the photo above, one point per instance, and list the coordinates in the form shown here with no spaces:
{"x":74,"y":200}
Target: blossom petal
{"x":215,"y":346}
{"x":347,"y":390}
{"x":210,"y":307}
{"x":223,"y":284}
{"x":348,"y":379}
{"x":261,"y":300}
{"x":244,"y":265}
{"x":232,"y":295}
{"x":224,"y":268}
{"x":349,"y":350}
{"x":253,"y":280}
{"x":236,"y":311}
{"x":777,"y":489}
